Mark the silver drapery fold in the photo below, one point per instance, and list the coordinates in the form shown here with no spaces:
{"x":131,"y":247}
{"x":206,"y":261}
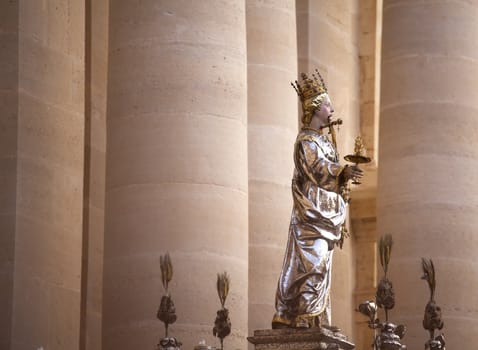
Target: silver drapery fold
{"x":315,"y":227}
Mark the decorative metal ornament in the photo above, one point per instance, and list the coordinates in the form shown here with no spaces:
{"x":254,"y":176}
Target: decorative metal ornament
{"x":310,"y":88}
{"x":311,"y":92}
{"x":385,"y":294}
{"x":170,"y":343}
{"x":369,"y":309}
{"x":359,"y":156}
{"x":222,"y":324}
{"x":333,"y":134}
{"x":387,"y":336}
{"x":390,"y":337}
{"x":317,"y":224}
{"x":167,"y":311}
{"x":432,"y":320}
{"x":203,"y":346}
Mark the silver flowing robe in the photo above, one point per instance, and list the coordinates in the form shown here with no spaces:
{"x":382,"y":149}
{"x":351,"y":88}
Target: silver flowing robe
{"x":315,"y":227}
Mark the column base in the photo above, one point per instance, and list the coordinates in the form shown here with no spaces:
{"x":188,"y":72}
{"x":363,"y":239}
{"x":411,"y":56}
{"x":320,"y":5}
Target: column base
{"x":299,"y":339}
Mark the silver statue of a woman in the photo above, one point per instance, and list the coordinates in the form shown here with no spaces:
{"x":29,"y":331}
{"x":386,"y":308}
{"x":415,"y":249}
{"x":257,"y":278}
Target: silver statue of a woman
{"x":318,"y":214}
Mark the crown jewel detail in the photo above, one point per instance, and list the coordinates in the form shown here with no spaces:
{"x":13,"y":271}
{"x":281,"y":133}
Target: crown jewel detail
{"x":310,"y":87}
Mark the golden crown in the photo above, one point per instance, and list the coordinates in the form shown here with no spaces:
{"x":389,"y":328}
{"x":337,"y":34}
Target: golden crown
{"x":310,"y":87}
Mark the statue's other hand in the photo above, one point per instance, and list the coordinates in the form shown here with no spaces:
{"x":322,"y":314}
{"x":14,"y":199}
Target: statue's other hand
{"x":352,"y":172}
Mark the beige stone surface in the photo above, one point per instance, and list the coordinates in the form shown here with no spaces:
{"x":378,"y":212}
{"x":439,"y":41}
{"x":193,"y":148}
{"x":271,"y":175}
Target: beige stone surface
{"x":272,"y":128}
{"x":363,"y":205}
{"x":201,"y":124}
{"x":426,"y":193}
{"x":370,"y":51}
{"x":364,"y":222}
{"x":96,"y":66}
{"x":8,"y":153}
{"x":46,"y":306}
{"x":176,"y":169}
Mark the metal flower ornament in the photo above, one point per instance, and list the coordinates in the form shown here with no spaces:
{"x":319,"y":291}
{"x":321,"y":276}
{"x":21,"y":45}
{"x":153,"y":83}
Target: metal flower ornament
{"x":222,"y":324}
{"x":167,"y":311}
{"x":432,"y":320}
{"x":387,"y":336}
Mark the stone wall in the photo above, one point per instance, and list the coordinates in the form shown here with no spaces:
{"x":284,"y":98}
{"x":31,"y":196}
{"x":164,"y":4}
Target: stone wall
{"x":48,"y":240}
{"x":427,"y":197}
{"x":135,"y":130}
{"x":96,"y":70}
{"x":176,"y":169}
{"x":8,"y":160}
{"x":272,"y":128}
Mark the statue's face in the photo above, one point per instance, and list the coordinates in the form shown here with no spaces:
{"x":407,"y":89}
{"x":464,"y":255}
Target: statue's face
{"x":326,"y":109}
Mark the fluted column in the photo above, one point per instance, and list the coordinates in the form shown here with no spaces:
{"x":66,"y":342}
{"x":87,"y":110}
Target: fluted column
{"x":427,"y":196}
{"x":176,"y":169}
{"x":272,"y":128}
{"x":328,"y":40}
{"x":50,"y":146}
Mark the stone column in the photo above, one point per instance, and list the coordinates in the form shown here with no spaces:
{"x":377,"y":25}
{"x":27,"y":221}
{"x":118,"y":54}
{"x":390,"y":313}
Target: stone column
{"x":95,"y":163}
{"x":370,"y":29}
{"x":8,"y":161}
{"x":364,"y":227}
{"x":176,"y":169}
{"x":328,"y":41}
{"x":272,"y":128}
{"x":363,"y":205}
{"x":48,"y":239}
{"x":427,"y":194}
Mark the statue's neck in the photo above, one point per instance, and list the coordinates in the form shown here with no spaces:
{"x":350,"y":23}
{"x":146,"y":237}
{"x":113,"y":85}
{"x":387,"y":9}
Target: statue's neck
{"x":316,"y":130}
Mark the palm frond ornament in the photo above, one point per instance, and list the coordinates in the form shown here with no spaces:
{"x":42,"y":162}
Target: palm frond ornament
{"x":432,"y":319}
{"x":166,"y":270}
{"x":222,"y":287}
{"x":385,"y":295}
{"x":429,"y":276}
{"x":387,"y":335}
{"x":167,"y":311}
{"x":222,"y":324}
{"x":385,"y":247}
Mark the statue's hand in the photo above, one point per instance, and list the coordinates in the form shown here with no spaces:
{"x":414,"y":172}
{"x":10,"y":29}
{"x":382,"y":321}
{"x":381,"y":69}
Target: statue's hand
{"x":352,"y":172}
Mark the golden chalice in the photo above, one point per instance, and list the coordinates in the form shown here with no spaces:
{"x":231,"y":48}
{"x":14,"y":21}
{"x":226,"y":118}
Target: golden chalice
{"x":359,"y":156}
